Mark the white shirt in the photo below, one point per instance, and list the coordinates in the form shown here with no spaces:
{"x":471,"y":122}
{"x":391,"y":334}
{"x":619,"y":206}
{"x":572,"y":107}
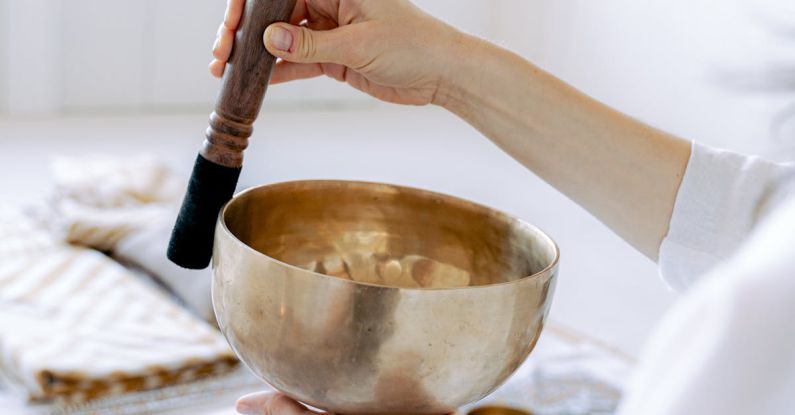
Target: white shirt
{"x":728,"y":345}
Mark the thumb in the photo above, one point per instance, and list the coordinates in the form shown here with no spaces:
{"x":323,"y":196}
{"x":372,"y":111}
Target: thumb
{"x":302,"y":45}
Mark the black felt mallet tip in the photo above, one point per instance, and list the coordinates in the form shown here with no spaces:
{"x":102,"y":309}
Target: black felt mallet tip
{"x":210,"y":187}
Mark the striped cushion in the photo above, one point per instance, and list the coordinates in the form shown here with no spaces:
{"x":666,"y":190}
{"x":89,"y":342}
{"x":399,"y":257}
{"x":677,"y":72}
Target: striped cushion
{"x":75,"y":324}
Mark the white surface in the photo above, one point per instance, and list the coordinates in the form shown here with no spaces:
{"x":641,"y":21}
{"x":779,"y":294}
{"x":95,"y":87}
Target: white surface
{"x":565,"y":370}
{"x":606,"y":289}
{"x":676,"y":64}
{"x":102,"y":56}
{"x":3,"y":55}
{"x":32,"y":56}
{"x":682,"y":65}
{"x":112,"y":55}
{"x":222,"y":405}
{"x":664,"y":61}
{"x":180,"y":36}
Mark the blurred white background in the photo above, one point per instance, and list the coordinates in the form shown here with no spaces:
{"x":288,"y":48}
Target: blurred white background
{"x":125,"y":76}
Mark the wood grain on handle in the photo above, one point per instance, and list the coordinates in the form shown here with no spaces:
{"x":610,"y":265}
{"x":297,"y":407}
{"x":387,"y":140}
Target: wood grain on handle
{"x":244,"y":83}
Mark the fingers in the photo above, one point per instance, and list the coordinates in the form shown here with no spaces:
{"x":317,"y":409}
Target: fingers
{"x":302,"y":45}
{"x":217,"y":68}
{"x":270,"y":404}
{"x":222,"y":48}
{"x":289,"y":71}
{"x":225,"y":38}
{"x":234,"y":11}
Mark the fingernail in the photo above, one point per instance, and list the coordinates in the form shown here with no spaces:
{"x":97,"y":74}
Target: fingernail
{"x":280,"y":38}
{"x":245,"y":409}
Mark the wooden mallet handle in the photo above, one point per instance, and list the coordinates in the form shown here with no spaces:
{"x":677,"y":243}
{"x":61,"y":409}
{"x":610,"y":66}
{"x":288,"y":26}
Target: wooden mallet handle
{"x":220,"y":160}
{"x":244,"y":84}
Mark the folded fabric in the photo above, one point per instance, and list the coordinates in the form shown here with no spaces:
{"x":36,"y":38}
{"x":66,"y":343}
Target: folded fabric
{"x":146,"y":249}
{"x":76,"y":325}
{"x":125,"y":207}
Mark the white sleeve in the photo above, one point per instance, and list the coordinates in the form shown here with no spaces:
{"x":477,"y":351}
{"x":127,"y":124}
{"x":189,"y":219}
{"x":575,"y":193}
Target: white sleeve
{"x":728,"y":346}
{"x":720,"y":200}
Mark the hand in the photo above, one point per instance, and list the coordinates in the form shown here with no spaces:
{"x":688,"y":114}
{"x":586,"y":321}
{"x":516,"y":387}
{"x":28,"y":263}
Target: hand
{"x":388,"y":48}
{"x":271,"y":404}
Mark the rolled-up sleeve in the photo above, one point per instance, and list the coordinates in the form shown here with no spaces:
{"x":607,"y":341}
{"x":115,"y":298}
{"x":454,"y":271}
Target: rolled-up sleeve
{"x":722,"y":197}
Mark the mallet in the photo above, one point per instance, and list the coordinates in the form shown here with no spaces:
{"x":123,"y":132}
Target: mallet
{"x":220,"y":160}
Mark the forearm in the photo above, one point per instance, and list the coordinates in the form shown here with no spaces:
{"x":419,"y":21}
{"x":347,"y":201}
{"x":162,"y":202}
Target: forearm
{"x":624,"y":172}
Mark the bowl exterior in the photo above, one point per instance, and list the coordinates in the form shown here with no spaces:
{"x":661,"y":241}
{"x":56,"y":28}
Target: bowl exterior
{"x":352,"y":348}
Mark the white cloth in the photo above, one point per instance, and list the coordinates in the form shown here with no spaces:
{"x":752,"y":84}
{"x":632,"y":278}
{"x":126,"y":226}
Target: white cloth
{"x":728,"y":346}
{"x":77,"y":326}
{"x":147,"y":249}
{"x":126,"y":207}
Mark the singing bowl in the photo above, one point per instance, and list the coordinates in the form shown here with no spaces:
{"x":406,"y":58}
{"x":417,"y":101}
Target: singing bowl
{"x":353,"y":348}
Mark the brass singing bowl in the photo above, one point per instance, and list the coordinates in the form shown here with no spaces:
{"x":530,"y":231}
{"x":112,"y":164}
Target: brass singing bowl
{"x":353,"y":348}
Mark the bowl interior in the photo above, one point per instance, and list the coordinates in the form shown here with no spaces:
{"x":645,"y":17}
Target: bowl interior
{"x":303,"y":222}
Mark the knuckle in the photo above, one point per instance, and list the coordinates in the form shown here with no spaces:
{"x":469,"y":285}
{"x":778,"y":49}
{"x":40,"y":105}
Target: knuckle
{"x":308,"y":49}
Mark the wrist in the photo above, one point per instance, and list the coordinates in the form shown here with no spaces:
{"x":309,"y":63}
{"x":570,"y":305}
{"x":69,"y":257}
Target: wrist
{"x":460,"y":71}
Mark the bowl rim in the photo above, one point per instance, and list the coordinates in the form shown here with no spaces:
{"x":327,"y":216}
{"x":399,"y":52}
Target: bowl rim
{"x":422,"y":192}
